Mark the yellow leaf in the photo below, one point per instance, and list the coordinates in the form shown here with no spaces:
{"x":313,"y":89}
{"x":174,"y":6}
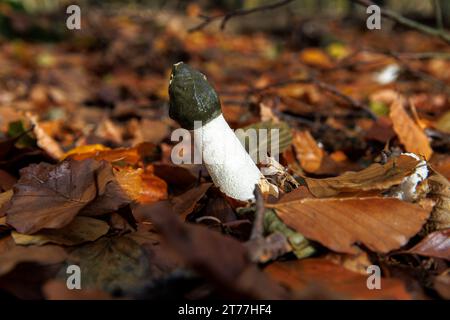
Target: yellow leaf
{"x":85,"y":149}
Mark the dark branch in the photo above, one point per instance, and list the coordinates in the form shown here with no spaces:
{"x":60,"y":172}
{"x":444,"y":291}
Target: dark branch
{"x":235,"y":13}
{"x":321,"y":85}
{"x":392,"y":15}
{"x":258,"y":224}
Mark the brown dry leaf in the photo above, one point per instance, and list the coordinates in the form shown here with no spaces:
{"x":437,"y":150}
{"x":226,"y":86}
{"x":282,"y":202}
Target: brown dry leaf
{"x":354,"y":262}
{"x":43,"y":140}
{"x":48,"y":196}
{"x":129,"y":156}
{"x":441,"y":164}
{"x":440,"y":190}
{"x":57,"y":290}
{"x":4,"y":199}
{"x":324,"y":279}
{"x":221,"y":259}
{"x":185,"y":203}
{"x":436,"y":244}
{"x":44,"y":255}
{"x":307,"y":151}
{"x":409,"y":133}
{"x":112,"y":263}
{"x":442,"y":284}
{"x":381,"y":224}
{"x":109,"y":131}
{"x":80,"y":230}
{"x":154,"y":188}
{"x":7,"y":181}
{"x":375,"y":177}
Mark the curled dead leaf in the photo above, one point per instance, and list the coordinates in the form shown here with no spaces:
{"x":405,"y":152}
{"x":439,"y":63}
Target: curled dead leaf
{"x":410,"y":134}
{"x":50,"y":196}
{"x":375,"y":177}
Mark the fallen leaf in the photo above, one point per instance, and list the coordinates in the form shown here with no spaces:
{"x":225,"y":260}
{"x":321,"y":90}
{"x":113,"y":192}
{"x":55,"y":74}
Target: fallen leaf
{"x":43,"y":140}
{"x":315,"y":57}
{"x":221,"y":259}
{"x":354,"y":262}
{"x":323,"y":279}
{"x":44,"y":255}
{"x":90,"y":148}
{"x":381,"y":224}
{"x":442,"y":284}
{"x":48,"y":196}
{"x":409,"y":133}
{"x":443,"y":123}
{"x":80,"y":230}
{"x":129,"y":156}
{"x":184,"y":204}
{"x":375,"y":177}
{"x":111,"y":263}
{"x":436,"y":244}
{"x":440,"y":190}
{"x":4,"y":199}
{"x":307,"y":151}
{"x":141,"y":186}
{"x":57,"y":290}
{"x":7,"y":181}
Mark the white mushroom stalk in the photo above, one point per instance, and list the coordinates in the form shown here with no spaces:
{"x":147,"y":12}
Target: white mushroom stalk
{"x":195,"y":106}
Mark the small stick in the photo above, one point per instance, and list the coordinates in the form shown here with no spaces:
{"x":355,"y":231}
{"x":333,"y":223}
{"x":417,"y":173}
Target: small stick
{"x":235,"y":13}
{"x":392,"y":15}
{"x":258,"y":224}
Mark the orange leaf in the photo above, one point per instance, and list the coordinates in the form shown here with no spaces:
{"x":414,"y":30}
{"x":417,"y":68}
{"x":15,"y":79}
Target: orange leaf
{"x":409,"y":133}
{"x":98,"y":152}
{"x":141,"y":186}
{"x":307,"y":151}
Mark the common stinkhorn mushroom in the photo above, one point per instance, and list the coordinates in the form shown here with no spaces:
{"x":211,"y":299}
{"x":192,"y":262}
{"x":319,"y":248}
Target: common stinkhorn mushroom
{"x":194,"y":104}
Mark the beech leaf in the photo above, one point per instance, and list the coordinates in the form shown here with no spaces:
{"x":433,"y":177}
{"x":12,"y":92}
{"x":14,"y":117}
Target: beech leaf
{"x":436,"y":244}
{"x":48,"y":196}
{"x":81,"y":229}
{"x":375,"y":177}
{"x":381,"y":224}
{"x":409,"y":133}
{"x":331,"y":281}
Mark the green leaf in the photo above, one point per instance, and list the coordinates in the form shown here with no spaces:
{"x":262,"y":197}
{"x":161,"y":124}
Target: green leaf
{"x":17,"y":128}
{"x":265,"y":141}
{"x":302,"y":248}
{"x":379,"y":108}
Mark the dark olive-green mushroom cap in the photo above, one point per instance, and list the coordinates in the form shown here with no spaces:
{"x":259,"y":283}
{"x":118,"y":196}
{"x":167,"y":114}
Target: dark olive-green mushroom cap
{"x":192,"y":98}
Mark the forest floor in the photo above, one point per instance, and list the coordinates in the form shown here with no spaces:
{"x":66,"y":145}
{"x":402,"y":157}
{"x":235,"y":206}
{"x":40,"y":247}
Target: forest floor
{"x":86,"y":176}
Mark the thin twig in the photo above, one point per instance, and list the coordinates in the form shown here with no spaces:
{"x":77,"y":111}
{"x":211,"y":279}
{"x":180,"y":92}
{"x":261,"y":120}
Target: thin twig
{"x":419,"y":74}
{"x":258,"y":224}
{"x":438,"y":14}
{"x":225,"y":17}
{"x":321,"y":85}
{"x":440,"y":33}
